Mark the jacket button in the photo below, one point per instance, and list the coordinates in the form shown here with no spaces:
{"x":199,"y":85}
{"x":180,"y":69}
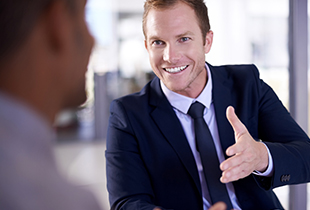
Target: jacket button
{"x":285,"y":178}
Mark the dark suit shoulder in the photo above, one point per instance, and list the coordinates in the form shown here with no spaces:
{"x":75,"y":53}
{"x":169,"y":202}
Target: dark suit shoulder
{"x":236,"y":72}
{"x":136,"y":99}
{"x":137,"y":96}
{"x":137,"y":106}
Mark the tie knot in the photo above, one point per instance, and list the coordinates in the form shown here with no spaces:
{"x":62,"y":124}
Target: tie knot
{"x":196,"y":110}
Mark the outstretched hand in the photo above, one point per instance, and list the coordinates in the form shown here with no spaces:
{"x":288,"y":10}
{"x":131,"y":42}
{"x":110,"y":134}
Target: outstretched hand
{"x":247,"y":155}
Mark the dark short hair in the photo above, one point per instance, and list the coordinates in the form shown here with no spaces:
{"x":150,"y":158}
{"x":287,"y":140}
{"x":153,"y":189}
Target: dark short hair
{"x":17,"y":18}
{"x":198,"y":6}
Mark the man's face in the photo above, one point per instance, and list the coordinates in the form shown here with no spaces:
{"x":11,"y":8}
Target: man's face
{"x":82,"y":43}
{"x":175,"y":45}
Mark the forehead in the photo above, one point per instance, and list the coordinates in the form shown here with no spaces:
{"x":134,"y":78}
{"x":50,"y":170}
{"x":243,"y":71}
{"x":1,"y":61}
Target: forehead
{"x":177,"y":19}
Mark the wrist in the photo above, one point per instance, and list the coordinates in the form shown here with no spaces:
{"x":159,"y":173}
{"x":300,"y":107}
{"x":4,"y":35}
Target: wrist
{"x":264,"y":160}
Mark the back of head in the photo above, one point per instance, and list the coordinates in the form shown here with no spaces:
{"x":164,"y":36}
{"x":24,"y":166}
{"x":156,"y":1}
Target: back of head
{"x":17,"y":18}
{"x":198,"y":6}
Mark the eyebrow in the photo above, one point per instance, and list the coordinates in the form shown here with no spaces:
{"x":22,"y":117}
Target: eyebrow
{"x":185,"y":34}
{"x":154,"y":38}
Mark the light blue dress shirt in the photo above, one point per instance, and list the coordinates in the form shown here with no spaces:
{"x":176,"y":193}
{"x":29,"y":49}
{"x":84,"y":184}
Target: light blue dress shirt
{"x":29,"y":173}
{"x":181,"y":105}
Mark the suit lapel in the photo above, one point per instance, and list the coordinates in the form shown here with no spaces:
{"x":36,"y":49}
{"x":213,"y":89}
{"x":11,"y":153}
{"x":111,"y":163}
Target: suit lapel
{"x":168,"y":123}
{"x":222,"y":99}
{"x":170,"y":126}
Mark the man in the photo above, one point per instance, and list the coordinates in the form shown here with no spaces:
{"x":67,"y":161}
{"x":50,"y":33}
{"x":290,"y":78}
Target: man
{"x":156,"y":158}
{"x":45,"y":48}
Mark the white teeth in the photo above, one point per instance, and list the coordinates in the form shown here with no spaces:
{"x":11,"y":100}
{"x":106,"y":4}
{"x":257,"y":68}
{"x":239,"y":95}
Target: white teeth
{"x":175,"y":70}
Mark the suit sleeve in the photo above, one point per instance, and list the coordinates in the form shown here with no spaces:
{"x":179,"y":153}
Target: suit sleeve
{"x":128,"y":182}
{"x":287,"y":142}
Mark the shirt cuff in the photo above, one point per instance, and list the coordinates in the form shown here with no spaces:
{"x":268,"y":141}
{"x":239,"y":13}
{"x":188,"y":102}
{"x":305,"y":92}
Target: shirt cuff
{"x":269,"y":171}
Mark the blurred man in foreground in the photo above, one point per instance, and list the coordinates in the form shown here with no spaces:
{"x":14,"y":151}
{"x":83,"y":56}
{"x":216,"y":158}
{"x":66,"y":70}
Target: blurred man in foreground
{"x":44,"y":52}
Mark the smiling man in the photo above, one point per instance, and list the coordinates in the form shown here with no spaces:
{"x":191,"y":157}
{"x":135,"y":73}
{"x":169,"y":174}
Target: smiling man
{"x":177,"y":49}
{"x":199,"y":134}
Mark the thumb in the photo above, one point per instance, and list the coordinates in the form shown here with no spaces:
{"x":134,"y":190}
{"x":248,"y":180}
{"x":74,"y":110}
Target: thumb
{"x":234,"y":121}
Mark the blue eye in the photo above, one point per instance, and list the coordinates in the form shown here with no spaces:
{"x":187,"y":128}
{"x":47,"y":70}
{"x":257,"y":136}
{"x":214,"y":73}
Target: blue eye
{"x":158,"y":42}
{"x":184,"y":39}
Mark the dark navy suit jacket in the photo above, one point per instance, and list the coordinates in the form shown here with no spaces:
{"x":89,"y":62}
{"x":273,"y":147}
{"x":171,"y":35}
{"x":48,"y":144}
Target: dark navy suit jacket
{"x":149,"y":160}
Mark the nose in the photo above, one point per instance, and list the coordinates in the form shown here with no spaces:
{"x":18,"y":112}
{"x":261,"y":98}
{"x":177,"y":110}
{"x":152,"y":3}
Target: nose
{"x":171,"y":54}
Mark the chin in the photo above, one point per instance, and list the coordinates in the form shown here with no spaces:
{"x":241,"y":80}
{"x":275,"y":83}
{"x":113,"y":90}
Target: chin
{"x":75,"y":100}
{"x":81,"y":100}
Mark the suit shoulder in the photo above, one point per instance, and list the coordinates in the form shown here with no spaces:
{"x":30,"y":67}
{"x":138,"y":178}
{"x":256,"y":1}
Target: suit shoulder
{"x":136,"y":101}
{"x":240,"y":72}
{"x":137,"y":96}
{"x":240,"y":68}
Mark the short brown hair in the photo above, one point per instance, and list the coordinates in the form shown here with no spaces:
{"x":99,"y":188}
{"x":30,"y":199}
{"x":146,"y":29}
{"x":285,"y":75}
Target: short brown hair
{"x":198,"y":6}
{"x":17,"y":18}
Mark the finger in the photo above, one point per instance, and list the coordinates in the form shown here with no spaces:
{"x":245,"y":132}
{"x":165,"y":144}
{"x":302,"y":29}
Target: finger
{"x":236,"y":173}
{"x":218,"y":206}
{"x":239,"y":147}
{"x":243,"y":154}
{"x":237,"y":125}
{"x":232,"y":162}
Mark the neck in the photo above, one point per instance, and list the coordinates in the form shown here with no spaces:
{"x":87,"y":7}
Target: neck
{"x":24,"y":83}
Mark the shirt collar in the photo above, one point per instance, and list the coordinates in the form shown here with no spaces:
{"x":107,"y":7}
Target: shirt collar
{"x":183,"y":103}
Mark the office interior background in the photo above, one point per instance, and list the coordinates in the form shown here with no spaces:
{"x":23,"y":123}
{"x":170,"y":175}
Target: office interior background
{"x":245,"y":31}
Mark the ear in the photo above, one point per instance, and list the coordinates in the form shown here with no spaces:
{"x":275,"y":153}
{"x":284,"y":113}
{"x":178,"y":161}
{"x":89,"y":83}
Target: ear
{"x":209,"y":41}
{"x":58,"y":24}
{"x":145,"y":45}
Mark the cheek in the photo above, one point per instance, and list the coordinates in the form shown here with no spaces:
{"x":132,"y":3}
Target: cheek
{"x":197,"y":49}
{"x":89,"y":41}
{"x":197,"y":53}
{"x":155,"y":57}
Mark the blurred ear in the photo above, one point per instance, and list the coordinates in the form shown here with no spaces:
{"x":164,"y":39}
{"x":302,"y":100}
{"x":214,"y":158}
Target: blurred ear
{"x":209,"y":41}
{"x":57,"y":21}
{"x":145,"y":45}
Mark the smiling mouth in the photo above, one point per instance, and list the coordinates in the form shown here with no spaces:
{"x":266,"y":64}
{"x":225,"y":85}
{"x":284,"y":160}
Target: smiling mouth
{"x":176,"y":69}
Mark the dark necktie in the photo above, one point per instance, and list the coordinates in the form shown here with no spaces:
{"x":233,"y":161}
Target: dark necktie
{"x":205,"y":146}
